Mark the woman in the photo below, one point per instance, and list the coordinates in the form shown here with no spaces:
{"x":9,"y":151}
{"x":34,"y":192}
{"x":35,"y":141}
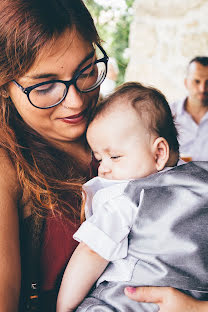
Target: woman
{"x":50,"y":77}
{"x":49,"y":83}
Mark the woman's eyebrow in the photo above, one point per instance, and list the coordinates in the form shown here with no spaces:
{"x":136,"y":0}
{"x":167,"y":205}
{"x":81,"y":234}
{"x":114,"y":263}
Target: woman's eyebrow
{"x":39,"y":76}
{"x":52,"y":75}
{"x":88,"y":57}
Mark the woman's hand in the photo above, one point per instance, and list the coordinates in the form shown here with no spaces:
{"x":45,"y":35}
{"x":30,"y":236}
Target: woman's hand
{"x":168,"y":299}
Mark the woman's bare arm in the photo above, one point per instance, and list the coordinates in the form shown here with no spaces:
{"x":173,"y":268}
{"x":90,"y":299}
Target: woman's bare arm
{"x":10,"y":273}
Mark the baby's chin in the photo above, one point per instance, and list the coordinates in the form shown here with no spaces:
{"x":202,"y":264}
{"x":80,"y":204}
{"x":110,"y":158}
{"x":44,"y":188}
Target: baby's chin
{"x":115,"y":178}
{"x":140,"y":176}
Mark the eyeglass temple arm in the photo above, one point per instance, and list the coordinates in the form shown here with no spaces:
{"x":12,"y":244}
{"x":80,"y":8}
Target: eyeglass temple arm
{"x":102,"y":50}
{"x":18,"y":85}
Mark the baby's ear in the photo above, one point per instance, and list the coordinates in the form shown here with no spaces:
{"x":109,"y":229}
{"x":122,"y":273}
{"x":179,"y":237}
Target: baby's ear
{"x":161,"y":152}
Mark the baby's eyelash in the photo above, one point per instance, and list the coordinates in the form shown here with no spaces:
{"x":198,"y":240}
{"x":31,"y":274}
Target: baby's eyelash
{"x":115,"y":157}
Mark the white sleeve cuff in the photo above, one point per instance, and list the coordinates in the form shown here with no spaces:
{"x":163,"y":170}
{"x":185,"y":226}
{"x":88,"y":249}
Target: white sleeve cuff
{"x":103,"y":245}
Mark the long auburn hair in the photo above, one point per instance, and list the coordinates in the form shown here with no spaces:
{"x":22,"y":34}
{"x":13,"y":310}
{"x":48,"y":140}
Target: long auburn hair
{"x":46,"y":174}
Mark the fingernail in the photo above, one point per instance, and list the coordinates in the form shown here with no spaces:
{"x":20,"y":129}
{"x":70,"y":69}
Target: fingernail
{"x":131,"y":290}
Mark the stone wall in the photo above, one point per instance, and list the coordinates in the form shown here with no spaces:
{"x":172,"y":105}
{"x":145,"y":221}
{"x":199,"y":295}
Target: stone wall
{"x":164,"y":36}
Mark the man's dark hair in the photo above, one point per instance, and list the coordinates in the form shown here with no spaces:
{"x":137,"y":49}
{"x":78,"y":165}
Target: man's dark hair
{"x":203,"y":60}
{"x":151,"y":106}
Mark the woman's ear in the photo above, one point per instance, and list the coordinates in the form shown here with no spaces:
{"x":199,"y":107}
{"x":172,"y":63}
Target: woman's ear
{"x":4,"y":93}
{"x":161,"y":153}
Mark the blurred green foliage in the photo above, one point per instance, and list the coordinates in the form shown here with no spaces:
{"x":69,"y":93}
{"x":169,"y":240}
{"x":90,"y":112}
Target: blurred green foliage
{"x":113,"y":27}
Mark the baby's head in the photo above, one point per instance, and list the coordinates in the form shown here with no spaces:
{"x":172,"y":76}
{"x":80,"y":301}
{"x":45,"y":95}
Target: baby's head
{"x":132,"y":133}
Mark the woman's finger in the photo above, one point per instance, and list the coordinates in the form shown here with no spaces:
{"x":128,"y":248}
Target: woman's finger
{"x":146,"y":294}
{"x":169,"y":299}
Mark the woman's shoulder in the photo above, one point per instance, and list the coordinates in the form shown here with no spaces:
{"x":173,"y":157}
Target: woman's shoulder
{"x":8,"y":174}
{"x":6,"y":163}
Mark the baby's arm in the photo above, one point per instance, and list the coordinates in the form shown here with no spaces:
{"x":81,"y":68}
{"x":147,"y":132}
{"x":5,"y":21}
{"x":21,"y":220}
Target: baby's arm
{"x":83,"y":269}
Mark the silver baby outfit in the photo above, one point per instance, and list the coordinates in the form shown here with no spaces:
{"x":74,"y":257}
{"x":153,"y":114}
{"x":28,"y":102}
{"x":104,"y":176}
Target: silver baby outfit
{"x":169,"y":239}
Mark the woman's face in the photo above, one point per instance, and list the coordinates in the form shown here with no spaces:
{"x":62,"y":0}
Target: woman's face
{"x":58,"y":61}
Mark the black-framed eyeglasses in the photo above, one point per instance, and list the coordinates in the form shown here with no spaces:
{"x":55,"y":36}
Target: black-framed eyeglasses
{"x":51,"y":93}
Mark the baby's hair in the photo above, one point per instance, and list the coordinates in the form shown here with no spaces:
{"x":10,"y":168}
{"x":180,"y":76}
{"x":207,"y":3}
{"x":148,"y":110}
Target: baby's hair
{"x":151,"y":106}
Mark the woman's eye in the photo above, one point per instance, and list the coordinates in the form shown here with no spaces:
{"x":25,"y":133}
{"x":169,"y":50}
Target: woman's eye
{"x":44,"y":89}
{"x":88,"y":73}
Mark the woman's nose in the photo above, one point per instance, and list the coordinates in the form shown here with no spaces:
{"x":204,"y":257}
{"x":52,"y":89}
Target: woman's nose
{"x":73,"y":99}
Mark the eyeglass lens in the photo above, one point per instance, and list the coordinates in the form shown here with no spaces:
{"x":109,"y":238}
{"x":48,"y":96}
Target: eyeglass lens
{"x":52,"y":93}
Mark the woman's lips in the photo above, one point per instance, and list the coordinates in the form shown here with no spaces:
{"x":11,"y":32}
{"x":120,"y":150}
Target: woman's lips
{"x":74,"y":119}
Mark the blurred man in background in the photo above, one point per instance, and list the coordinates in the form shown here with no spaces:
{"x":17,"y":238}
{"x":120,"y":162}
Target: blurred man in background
{"x":191,"y":113}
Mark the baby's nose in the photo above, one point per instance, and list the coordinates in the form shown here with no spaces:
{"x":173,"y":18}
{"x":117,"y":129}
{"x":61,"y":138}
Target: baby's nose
{"x":103,"y":169}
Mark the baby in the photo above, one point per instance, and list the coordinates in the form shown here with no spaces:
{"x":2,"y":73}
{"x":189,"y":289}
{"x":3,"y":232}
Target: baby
{"x":146,"y":214}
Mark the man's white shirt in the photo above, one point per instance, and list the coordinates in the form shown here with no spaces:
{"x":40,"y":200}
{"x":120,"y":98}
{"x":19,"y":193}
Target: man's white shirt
{"x":193,"y":137}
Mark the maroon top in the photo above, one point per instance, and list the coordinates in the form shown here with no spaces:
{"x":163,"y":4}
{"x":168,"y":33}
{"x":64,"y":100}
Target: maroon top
{"x":58,"y":246}
{"x":57,"y":249}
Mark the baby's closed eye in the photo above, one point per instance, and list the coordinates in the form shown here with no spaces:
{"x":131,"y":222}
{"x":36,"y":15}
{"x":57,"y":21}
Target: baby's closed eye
{"x":116,"y":157}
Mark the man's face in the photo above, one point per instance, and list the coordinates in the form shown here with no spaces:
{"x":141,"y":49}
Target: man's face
{"x":196,"y":83}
